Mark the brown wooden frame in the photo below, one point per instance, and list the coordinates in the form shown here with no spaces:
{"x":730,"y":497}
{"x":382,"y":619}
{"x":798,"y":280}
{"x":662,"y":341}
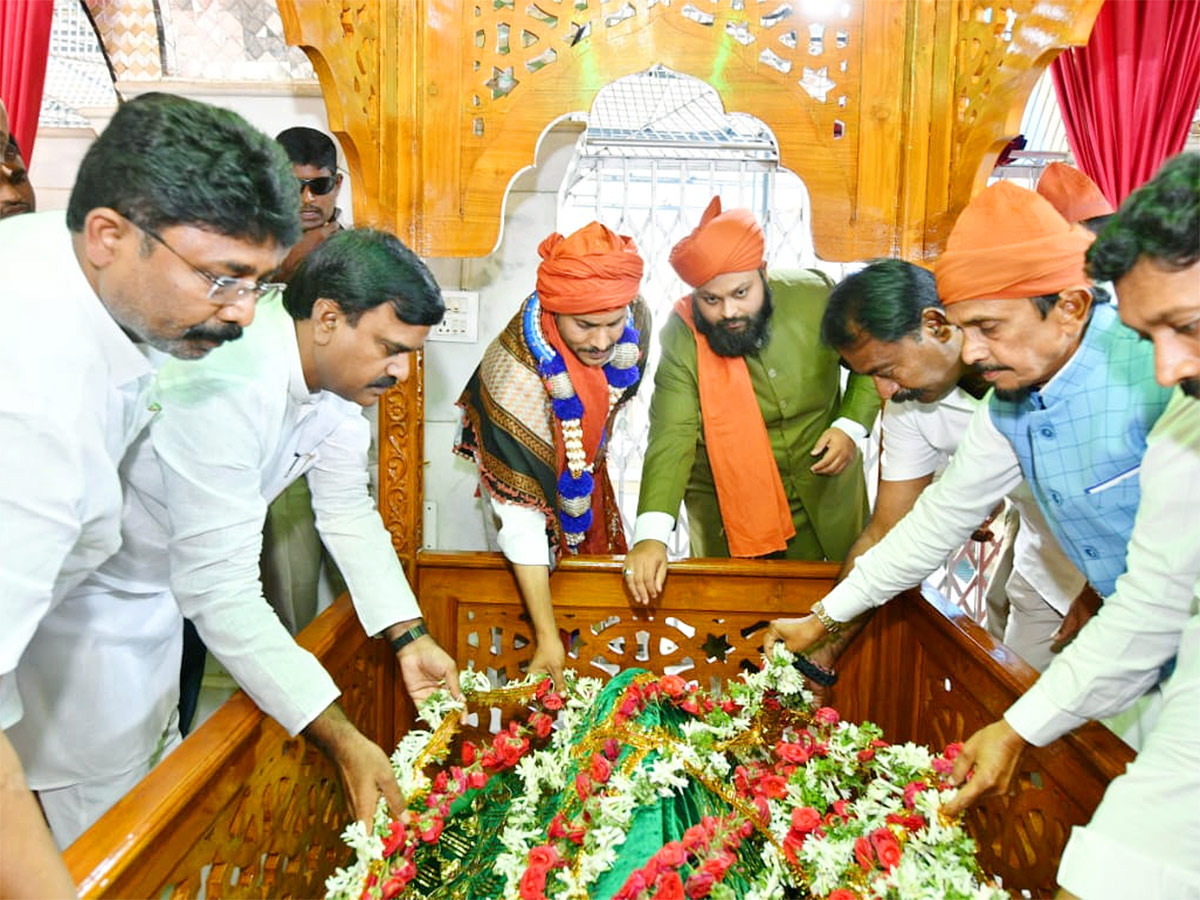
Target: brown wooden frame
{"x":241,"y":810}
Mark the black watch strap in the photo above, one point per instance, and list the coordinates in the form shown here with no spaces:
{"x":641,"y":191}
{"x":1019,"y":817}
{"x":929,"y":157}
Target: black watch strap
{"x":402,"y":640}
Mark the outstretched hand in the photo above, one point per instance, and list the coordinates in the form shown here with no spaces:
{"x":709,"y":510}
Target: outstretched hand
{"x":989,"y":757}
{"x":795,"y":634}
{"x":426,"y":667}
{"x":645,"y":570}
{"x":839,"y":449}
{"x":549,"y":657}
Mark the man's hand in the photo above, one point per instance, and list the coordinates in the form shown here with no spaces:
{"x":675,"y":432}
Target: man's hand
{"x":839,"y":449}
{"x":549,"y":657}
{"x":363,"y":767}
{"x":992,"y":753}
{"x":424,"y":666}
{"x":795,"y":634}
{"x":646,"y":570}
{"x":30,"y":864}
{"x":1082,"y":608}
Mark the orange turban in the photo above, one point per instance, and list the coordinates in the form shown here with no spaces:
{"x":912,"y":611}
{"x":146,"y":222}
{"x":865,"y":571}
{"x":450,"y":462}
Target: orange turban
{"x":1072,"y":193}
{"x":722,"y":242}
{"x":1009,"y":243}
{"x":594,"y":270}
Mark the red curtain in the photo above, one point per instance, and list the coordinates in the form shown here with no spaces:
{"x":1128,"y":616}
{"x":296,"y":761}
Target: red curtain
{"x":1129,"y":96}
{"x":24,"y":48}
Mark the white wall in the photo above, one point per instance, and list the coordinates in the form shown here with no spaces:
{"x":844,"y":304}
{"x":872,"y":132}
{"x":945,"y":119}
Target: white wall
{"x":503,"y":279}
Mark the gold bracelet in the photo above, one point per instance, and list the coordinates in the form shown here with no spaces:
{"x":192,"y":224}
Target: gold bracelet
{"x":831,"y":625}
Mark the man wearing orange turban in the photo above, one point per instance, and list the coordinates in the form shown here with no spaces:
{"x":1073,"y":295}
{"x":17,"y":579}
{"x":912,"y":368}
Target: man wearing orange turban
{"x":1076,"y":197}
{"x":1073,"y":399}
{"x":538,"y":410}
{"x":749,"y":427}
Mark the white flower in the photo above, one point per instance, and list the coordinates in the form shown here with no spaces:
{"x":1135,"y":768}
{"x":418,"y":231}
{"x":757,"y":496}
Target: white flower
{"x":365,"y":845}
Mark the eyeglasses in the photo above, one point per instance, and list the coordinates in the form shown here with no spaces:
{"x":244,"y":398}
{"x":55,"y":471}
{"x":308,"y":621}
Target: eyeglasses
{"x":223,"y":289}
{"x":319,"y":186}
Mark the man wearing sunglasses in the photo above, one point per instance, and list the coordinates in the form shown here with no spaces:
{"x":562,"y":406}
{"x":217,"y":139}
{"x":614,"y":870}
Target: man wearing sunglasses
{"x":150,"y":259}
{"x":314,"y":162}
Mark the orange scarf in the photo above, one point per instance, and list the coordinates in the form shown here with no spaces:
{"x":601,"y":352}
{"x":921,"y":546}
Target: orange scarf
{"x":757,"y":520}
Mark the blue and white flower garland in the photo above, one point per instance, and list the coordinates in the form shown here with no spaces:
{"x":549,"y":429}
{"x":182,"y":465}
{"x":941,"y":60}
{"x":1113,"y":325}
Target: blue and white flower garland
{"x":575,"y":485}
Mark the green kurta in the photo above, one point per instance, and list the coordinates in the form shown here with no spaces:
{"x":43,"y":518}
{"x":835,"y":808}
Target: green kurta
{"x":797,"y":384}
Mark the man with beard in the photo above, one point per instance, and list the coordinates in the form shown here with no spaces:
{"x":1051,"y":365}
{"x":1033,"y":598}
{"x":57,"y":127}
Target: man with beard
{"x":745,"y":397}
{"x":887,"y":322}
{"x":537,"y":413}
{"x":1073,"y":400}
{"x":148,"y":260}
{"x":235,"y":429}
{"x":1142,"y":839}
{"x":16,"y":193}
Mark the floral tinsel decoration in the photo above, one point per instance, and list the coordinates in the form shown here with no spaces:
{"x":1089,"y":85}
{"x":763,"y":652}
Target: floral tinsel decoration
{"x":575,"y":484}
{"x":786,"y":800}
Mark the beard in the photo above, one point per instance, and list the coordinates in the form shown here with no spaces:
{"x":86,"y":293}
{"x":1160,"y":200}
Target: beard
{"x":749,"y":340}
{"x":1012,"y":395}
{"x":1191,"y":387}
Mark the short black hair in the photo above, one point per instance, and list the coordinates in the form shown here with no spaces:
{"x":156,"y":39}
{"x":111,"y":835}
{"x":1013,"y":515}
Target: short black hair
{"x":1160,"y":220}
{"x":882,"y":301}
{"x":165,"y":160}
{"x":360,"y":269}
{"x":309,"y":147}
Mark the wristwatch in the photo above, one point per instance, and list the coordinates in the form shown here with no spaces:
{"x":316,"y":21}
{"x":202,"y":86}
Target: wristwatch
{"x":402,"y":640}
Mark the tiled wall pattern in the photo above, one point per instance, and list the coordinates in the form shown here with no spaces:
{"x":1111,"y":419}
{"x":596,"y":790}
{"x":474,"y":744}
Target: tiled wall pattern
{"x":149,"y":40}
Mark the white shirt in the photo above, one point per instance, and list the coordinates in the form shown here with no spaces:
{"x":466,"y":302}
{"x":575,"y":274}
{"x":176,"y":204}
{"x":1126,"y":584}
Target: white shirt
{"x":1118,"y":654}
{"x":920,"y":438}
{"x":236,"y":429}
{"x":73,"y":394}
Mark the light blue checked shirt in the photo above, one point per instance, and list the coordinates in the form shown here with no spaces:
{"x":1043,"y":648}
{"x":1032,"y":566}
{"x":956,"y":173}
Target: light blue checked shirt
{"x":1080,"y":441}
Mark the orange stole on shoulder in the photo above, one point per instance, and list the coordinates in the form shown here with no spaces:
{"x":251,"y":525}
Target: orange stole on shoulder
{"x":757,"y":521}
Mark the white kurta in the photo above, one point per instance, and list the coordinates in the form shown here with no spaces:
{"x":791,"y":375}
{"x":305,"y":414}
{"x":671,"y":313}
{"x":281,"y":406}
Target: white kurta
{"x":237,"y":427}
{"x":73,"y":395}
{"x":1144,"y":839}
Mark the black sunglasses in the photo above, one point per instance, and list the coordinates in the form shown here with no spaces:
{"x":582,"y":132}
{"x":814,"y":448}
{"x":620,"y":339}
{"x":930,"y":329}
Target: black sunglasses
{"x":319,"y":186}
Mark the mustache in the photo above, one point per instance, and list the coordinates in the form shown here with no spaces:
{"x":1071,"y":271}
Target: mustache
{"x":903,"y":396}
{"x":1191,"y":387}
{"x":993,"y":368}
{"x":735,"y":320}
{"x":219,"y":334}
{"x":384,"y":383}
{"x":312,"y":209}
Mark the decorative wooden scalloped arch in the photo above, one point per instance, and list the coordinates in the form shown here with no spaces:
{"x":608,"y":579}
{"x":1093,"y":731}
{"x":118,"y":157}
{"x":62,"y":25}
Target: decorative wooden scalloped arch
{"x":891,"y":111}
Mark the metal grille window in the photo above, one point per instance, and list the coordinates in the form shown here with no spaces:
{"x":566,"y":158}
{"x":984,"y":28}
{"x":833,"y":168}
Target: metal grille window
{"x":658,"y":146}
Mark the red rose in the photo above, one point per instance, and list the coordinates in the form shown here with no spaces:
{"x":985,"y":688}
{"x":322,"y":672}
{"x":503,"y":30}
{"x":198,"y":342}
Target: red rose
{"x":433,"y":832}
{"x":395,"y":838}
{"x":842,"y":894}
{"x":671,"y":855}
{"x":533,"y":884}
{"x":391,"y":888}
{"x":773,"y":786}
{"x":952,"y":750}
{"x":601,"y":768}
{"x":841,"y":808}
{"x":887,"y":848}
{"x":866,"y":755}
{"x":612,"y":749}
{"x":468,"y":753}
{"x":583,"y":786}
{"x":543,"y":688}
{"x":792,"y":844}
{"x":441,"y":781}
{"x":912,"y":823}
{"x":670,"y":887}
{"x":477,"y":780}
{"x":764,"y":811}
{"x":699,"y":885}
{"x":911,"y":790}
{"x":720,"y":864}
{"x":689,"y":706}
{"x":694,"y":837}
{"x":942,"y":766}
{"x":544,"y":857}
{"x":673,"y":686}
{"x":827,"y":715}
{"x":729,"y":706}
{"x":793,"y":753}
{"x":558,"y":828}
{"x":863,"y":854}
{"x":553,"y":701}
{"x":542,"y":724}
{"x":407,"y":870}
{"x":805,"y":819}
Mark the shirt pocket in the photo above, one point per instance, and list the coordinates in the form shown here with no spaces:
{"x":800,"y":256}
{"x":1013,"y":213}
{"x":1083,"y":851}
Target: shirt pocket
{"x":1121,"y":489}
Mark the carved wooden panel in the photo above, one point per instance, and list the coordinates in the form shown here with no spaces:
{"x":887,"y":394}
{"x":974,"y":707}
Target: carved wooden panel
{"x":240,"y":809}
{"x":401,"y":454}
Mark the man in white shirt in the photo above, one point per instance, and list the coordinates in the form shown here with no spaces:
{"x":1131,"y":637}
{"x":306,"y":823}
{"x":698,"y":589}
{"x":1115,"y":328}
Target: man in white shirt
{"x":886,"y":321}
{"x":236,"y":429}
{"x":1144,"y":838}
{"x":179,"y":210}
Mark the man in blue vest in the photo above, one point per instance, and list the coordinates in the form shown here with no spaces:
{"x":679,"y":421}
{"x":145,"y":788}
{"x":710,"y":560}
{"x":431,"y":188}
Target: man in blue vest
{"x":1073,"y":400}
{"x":1142,"y":840}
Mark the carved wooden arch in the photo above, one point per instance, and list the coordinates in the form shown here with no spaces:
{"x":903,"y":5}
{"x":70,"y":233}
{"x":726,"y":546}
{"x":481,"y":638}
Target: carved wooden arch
{"x":439,"y":103}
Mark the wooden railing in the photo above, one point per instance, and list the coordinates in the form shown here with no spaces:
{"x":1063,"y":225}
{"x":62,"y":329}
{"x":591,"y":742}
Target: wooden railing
{"x":242,"y":810}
